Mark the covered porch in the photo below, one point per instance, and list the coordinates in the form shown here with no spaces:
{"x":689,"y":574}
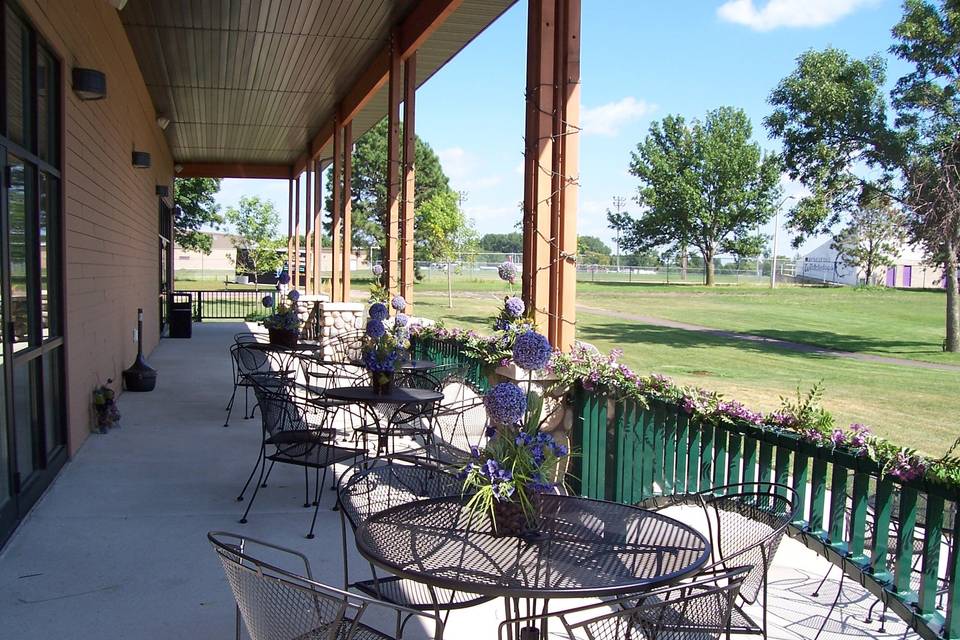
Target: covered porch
{"x":117,"y":548}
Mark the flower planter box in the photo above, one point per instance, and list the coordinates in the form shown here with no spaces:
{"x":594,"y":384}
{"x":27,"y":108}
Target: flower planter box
{"x":284,"y":337}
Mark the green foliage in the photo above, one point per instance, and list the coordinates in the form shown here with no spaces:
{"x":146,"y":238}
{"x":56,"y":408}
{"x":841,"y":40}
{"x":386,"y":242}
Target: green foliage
{"x":502,"y":242}
{"x":443,"y":229}
{"x":368,"y":183}
{"x":747,"y":246}
{"x":256,"y":241}
{"x":592,"y":245}
{"x":702,"y":184}
{"x":872,"y":237}
{"x":195,"y":208}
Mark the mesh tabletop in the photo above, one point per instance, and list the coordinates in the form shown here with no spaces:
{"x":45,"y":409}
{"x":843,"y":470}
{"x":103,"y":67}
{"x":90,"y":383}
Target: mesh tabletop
{"x":397,"y":395}
{"x":589,"y":548}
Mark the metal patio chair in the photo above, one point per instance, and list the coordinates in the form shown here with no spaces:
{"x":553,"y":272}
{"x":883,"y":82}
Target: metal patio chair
{"x":745,"y":524}
{"x":290,"y":438}
{"x":375,"y":484}
{"x":343,"y":347}
{"x":277,"y":603}
{"x":697,"y":610}
{"x":256,"y":363}
{"x":459,"y":423}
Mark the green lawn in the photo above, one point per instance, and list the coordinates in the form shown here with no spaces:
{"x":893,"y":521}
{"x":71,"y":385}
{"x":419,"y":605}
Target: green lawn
{"x":912,"y":406}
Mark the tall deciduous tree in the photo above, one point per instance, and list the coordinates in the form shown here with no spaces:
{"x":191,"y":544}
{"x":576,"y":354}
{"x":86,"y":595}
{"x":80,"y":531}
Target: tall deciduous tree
{"x":502,"y":242}
{"x":444,"y":232}
{"x":368,"y":183}
{"x":872,"y":238}
{"x":195,"y":209}
{"x":830,"y":113}
{"x":259,"y":249}
{"x":702,"y":184}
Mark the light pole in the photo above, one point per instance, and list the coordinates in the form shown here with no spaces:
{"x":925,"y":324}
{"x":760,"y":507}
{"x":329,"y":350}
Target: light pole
{"x":776,"y":235}
{"x":618,"y":202}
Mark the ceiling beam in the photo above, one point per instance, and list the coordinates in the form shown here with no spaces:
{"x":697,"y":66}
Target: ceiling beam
{"x":427,"y":16}
{"x":234,"y":170}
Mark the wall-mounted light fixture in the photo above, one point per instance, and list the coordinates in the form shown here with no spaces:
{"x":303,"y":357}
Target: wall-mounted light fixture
{"x":163,"y":122}
{"x":141,"y":159}
{"x":163,"y":190}
{"x":89,"y":84}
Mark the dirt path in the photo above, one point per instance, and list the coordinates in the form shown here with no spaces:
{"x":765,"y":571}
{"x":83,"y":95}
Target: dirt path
{"x":801,"y":347}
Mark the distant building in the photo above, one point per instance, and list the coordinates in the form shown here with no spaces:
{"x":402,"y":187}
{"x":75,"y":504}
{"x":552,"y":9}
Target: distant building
{"x":220,"y":263}
{"x":910,"y":271}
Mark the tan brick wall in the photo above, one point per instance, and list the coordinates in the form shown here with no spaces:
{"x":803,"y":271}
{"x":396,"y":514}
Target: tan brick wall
{"x":111,"y":210}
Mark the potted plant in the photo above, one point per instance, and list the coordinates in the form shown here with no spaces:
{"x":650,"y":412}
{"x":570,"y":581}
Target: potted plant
{"x":519,"y":461}
{"x":385,"y":344}
{"x":283,"y":323}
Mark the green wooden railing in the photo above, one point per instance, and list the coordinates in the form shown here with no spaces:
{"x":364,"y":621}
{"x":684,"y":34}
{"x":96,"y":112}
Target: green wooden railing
{"x":862,"y":521}
{"x":886,"y":535}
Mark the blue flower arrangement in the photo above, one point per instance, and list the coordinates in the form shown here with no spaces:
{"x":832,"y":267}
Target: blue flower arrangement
{"x":285,"y":316}
{"x":385,"y":344}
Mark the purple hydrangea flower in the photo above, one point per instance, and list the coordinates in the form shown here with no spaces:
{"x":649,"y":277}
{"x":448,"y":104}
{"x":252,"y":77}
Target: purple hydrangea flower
{"x":532,"y":351}
{"x":398,"y":303}
{"x":377,"y":270}
{"x":507,"y":272}
{"x":284,"y":278}
{"x":402,"y":319}
{"x":506,"y":403}
{"x":379,"y":311}
{"x":375,"y":329}
{"x":267,"y":301}
{"x":515,"y":307}
{"x":294,"y":295}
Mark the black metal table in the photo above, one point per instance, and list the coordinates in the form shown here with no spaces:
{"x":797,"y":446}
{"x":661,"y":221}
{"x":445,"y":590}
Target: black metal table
{"x":398,"y":397}
{"x":417,"y":366}
{"x":588,"y":548}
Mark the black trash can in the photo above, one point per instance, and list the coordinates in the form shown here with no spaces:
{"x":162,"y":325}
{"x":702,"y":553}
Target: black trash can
{"x":181,"y":315}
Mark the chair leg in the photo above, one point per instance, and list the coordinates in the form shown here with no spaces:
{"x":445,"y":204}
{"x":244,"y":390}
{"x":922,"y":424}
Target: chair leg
{"x":246,"y":404}
{"x":264,"y":483}
{"x":230,"y":406}
{"x":247,"y":484}
{"x":313,"y":523}
{"x":816,"y":592}
{"x":256,"y":489}
{"x":306,"y":487}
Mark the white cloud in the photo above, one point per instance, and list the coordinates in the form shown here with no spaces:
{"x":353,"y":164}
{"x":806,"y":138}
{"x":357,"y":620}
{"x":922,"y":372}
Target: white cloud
{"x":608,"y":119}
{"x":787,"y":13}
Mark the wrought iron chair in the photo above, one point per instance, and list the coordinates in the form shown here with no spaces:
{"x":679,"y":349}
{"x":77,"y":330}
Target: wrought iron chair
{"x":698,"y":610}
{"x":375,"y":484}
{"x":289,"y":438}
{"x":745,"y":523}
{"x":278,"y":603}
{"x":459,"y":423}
{"x":343,"y":347}
{"x":255,"y":363}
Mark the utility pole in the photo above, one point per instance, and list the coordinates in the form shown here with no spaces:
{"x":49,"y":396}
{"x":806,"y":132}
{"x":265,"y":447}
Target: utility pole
{"x":618,"y":202}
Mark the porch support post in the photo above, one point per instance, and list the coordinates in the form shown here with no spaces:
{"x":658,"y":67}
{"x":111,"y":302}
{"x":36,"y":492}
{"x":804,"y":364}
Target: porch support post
{"x":317,"y":225}
{"x":391,"y":226}
{"x":409,"y":179}
{"x":295,"y":280}
{"x":346,"y":211}
{"x":336,"y":226}
{"x":290,"y":227}
{"x":308,"y":229}
{"x":551,"y":167}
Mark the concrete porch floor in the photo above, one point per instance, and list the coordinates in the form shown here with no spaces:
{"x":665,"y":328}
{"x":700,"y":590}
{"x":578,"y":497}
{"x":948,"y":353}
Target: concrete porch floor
{"x":117,"y":547}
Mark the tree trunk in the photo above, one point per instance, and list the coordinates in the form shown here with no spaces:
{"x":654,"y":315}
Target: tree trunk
{"x":709,"y":270}
{"x":449,"y":285}
{"x":952,"y":343}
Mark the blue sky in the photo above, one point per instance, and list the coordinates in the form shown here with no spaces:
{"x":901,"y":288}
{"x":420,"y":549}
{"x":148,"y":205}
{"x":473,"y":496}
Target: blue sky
{"x":641,"y":60}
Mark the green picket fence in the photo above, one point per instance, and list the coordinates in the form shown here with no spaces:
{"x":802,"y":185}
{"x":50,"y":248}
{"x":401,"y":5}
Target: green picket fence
{"x":886,"y":535}
{"x":889,"y":536}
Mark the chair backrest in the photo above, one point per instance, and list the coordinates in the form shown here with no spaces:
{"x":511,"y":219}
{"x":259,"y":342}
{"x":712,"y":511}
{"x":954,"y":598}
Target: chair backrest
{"x":417,"y":380}
{"x":278,"y":410}
{"x":254,"y":358}
{"x":747,"y":523}
{"x":699,"y":609}
{"x":460,"y":425}
{"x":326,"y":374}
{"x":343,"y":347}
{"x":247,"y":337}
{"x":275,"y":603}
{"x":370,"y":486}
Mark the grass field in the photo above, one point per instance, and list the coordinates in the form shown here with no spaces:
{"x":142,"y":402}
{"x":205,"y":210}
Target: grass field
{"x":913,"y":406}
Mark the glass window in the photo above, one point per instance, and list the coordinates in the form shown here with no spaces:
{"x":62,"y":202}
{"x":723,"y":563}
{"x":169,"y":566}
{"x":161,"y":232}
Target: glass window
{"x":49,"y":231}
{"x":52,"y":414}
{"x":48,"y":99}
{"x":23,"y":416}
{"x":18,"y":80}
{"x":20,"y":178}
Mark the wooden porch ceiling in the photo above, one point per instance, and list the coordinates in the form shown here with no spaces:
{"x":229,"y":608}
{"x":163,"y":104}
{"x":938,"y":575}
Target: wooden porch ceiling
{"x":250,"y":83}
